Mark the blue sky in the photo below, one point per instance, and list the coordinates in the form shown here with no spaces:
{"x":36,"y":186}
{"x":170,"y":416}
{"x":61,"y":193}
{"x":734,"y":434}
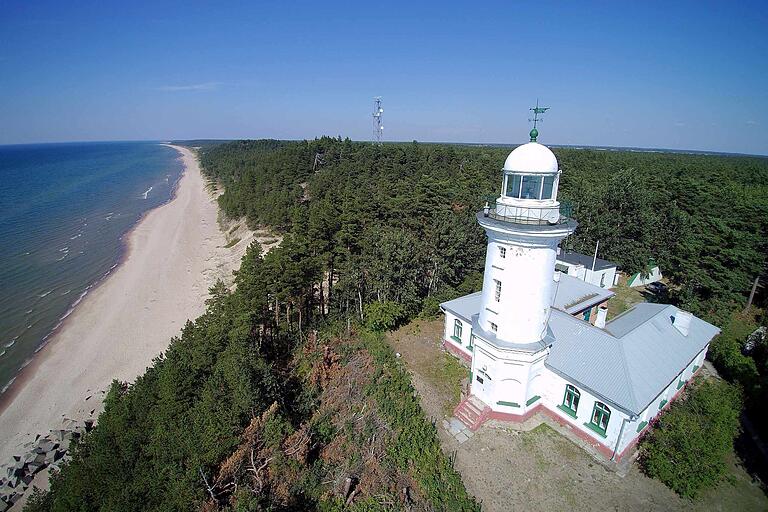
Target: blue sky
{"x":686,"y":75}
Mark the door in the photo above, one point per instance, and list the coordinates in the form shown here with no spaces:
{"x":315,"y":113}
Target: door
{"x":482,"y":386}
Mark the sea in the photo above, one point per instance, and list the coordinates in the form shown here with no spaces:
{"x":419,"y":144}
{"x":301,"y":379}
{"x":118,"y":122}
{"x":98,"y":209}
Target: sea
{"x":65,"y":210}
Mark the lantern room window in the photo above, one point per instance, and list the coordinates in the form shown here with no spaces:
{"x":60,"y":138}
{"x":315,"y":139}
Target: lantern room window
{"x":549,"y":184}
{"x":530,"y":186}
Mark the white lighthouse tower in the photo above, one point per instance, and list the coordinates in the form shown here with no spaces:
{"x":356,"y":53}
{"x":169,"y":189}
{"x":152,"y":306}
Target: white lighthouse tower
{"x":524,"y":226}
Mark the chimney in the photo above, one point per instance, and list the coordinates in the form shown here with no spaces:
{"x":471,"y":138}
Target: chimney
{"x":682,"y":321}
{"x":602,"y":313}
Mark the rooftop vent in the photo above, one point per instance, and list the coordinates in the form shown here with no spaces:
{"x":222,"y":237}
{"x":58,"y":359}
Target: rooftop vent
{"x":602,"y":314}
{"x":682,"y":322}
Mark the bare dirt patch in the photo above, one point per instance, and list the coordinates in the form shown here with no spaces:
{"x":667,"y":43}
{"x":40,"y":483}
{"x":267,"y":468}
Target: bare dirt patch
{"x":540,"y":469}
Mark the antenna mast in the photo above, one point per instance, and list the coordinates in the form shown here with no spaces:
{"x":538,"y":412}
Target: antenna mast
{"x":378,"y":128}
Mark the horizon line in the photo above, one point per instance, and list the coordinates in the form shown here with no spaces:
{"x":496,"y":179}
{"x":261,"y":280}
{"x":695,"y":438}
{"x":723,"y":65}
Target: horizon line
{"x":497,"y":144}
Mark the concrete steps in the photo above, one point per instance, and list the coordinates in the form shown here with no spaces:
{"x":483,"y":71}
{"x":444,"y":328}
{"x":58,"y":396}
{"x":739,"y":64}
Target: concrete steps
{"x":472,"y":412}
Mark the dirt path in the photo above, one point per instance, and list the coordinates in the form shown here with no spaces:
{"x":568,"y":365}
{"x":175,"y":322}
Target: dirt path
{"x":510,"y":470}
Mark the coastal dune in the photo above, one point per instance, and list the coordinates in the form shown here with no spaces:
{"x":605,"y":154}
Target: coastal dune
{"x":173,"y":256}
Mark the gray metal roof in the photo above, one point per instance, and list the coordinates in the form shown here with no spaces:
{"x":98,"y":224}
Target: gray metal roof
{"x":633,"y":359}
{"x":464,"y":307}
{"x":574,"y":295}
{"x":575,"y":258}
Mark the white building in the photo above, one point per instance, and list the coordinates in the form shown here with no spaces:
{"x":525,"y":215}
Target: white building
{"x":591,"y":269}
{"x":526,"y":337}
{"x":651,"y":275}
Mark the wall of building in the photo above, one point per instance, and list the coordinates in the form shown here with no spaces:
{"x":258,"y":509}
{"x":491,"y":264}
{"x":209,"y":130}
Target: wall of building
{"x":459,"y":346}
{"x":553,"y":392}
{"x":640,"y":280}
{"x":525,"y":274}
{"x":608,"y":276}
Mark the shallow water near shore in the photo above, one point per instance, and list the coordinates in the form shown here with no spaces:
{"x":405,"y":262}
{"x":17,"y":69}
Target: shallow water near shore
{"x":64,"y":211}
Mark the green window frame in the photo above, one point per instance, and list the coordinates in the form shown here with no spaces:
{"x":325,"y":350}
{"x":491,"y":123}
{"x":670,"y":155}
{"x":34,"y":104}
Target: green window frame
{"x":457,"y":328}
{"x":571,"y":398}
{"x":601,"y":415}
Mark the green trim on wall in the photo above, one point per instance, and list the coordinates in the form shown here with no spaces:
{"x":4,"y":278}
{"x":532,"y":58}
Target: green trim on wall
{"x":680,"y":383}
{"x":456,"y":339}
{"x":508,"y":404}
{"x":662,"y":404}
{"x":642,"y":425}
{"x":594,"y":428}
{"x":532,"y":399}
{"x":567,"y":411}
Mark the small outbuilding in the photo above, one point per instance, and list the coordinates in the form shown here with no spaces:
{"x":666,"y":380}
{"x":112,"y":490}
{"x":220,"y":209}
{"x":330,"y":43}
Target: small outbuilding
{"x":652,"y":274}
{"x":593,"y":270}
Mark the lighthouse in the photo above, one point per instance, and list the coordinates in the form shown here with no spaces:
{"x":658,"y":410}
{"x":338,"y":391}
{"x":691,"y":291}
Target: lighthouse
{"x":527,"y":337}
{"x":524,"y":226}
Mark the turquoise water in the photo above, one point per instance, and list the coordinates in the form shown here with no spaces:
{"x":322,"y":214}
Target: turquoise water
{"x":64,"y":210}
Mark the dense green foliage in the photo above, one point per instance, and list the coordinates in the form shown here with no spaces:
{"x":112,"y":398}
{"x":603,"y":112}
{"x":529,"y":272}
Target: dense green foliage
{"x":687,"y":448}
{"x":750,"y":372}
{"x":396,"y":222}
{"x":162,"y":440}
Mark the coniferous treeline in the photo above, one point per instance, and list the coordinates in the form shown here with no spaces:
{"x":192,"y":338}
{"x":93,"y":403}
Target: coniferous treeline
{"x":396,"y":222}
{"x":246,"y":412}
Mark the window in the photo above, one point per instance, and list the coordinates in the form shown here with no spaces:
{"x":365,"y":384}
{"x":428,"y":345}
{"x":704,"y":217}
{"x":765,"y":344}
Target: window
{"x":513,"y":185}
{"x":494,"y":327}
{"x":527,"y":186}
{"x":600,"y":416}
{"x":497,"y":293}
{"x":602,"y":280}
{"x":571,"y":398}
{"x":531,"y":187}
{"x":457,"y":329}
{"x":502,"y":252}
{"x":549,"y":185}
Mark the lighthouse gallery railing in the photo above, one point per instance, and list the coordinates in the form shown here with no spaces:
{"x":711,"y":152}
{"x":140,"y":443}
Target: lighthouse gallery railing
{"x":529,"y":214}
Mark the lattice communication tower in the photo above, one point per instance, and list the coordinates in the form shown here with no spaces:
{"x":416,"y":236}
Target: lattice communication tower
{"x":378,"y":128}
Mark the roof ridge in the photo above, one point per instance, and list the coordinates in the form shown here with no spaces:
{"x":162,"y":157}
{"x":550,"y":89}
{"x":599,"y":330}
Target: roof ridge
{"x":628,"y":375}
{"x":624,"y":313}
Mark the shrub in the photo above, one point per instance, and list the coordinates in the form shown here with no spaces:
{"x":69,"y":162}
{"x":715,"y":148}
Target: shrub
{"x":384,"y":316}
{"x":687,"y":448}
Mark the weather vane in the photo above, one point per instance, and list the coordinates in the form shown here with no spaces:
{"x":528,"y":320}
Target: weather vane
{"x":536,"y":111}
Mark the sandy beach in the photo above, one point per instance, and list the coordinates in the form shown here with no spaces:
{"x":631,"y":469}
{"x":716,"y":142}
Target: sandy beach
{"x":173,"y":256}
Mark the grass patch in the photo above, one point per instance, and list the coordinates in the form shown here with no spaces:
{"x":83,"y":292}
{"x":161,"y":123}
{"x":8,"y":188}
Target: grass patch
{"x":624,"y":299}
{"x":232,"y":243}
{"x":234,"y":228}
{"x":446,"y":373}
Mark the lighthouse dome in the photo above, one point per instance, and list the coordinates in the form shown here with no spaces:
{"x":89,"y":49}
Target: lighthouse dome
{"x":531,"y":158}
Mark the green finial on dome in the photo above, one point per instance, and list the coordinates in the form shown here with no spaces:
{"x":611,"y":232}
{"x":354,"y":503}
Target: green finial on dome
{"x":536,"y":111}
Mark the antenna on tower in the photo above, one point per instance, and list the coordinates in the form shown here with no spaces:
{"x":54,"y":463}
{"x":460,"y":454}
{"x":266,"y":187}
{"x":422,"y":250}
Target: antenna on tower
{"x":378,"y":128}
{"x":536,"y":111}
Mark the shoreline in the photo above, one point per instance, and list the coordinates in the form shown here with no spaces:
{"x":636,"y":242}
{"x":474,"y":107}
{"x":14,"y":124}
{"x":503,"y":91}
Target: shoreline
{"x":26,"y":371}
{"x":172,"y":255}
